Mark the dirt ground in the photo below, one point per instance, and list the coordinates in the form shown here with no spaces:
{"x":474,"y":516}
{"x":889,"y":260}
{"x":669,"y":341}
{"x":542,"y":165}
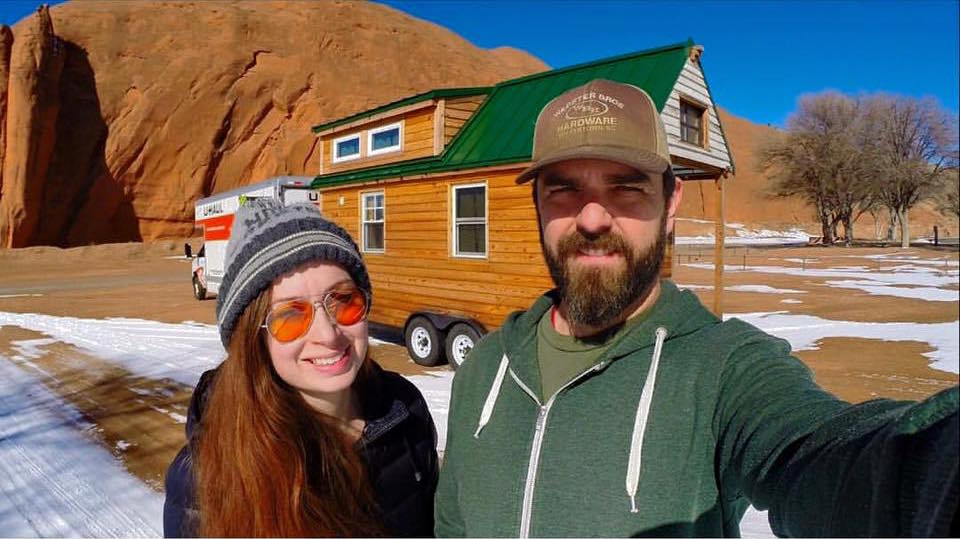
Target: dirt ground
{"x":152,"y":281}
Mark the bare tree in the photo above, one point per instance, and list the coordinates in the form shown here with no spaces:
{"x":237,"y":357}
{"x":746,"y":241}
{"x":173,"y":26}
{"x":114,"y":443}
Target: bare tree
{"x":820,"y":159}
{"x":913,"y":148}
{"x":948,"y":201}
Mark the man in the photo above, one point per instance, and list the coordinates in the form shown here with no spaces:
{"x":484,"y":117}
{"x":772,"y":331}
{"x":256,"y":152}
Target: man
{"x":617,"y":405}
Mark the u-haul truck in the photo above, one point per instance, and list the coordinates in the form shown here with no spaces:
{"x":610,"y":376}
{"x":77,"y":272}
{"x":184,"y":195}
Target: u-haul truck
{"x":215,"y":216}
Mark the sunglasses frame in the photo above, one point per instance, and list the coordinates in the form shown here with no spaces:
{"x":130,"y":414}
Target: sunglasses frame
{"x":323,"y":303}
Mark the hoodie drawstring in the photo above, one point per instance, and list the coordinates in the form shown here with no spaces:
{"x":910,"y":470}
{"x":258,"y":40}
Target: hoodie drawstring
{"x":640,"y":423}
{"x":492,"y":396}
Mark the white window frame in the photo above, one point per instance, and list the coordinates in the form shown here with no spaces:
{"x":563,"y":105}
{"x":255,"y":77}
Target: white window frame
{"x":485,"y":220}
{"x":398,"y":126}
{"x":335,"y":155}
{"x":364,"y":221}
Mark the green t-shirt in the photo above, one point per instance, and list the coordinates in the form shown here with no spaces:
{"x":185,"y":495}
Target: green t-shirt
{"x":563,"y":357}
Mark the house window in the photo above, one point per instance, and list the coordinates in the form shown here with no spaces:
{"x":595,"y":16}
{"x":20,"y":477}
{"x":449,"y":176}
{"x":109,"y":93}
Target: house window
{"x":470,"y":220}
{"x":384,"y":139}
{"x":373,"y":222}
{"x":691,"y":123}
{"x":346,"y":148}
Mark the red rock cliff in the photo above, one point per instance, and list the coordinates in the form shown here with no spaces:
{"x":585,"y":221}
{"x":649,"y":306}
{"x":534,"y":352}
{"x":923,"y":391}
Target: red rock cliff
{"x":121,"y":114}
{"x":32,"y":104}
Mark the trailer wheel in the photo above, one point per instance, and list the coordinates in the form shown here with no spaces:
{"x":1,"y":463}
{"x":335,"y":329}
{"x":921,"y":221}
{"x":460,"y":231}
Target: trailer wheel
{"x":460,"y":340}
{"x":199,"y":291}
{"x":423,"y":342}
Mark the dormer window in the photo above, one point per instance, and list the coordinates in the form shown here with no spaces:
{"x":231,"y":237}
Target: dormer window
{"x":346,"y":148}
{"x":384,"y":139}
{"x":692,"y":123}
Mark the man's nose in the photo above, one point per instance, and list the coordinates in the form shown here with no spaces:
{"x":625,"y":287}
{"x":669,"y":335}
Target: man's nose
{"x":594,"y":218}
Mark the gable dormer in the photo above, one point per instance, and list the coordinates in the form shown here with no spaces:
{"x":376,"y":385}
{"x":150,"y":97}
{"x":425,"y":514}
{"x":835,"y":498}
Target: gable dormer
{"x":412,"y":128}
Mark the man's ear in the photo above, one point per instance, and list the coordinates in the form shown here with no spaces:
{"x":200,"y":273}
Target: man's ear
{"x":674,"y":204}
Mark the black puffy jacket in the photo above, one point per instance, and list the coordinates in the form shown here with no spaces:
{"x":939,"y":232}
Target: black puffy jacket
{"x":398,"y":444}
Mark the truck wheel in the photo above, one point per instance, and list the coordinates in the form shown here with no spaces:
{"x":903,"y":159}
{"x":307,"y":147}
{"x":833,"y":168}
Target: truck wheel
{"x":460,"y":340}
{"x":199,"y":291}
{"x":423,"y":342}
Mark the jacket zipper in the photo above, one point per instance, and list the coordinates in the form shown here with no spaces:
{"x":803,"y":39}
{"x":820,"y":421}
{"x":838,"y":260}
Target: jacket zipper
{"x":539,"y":430}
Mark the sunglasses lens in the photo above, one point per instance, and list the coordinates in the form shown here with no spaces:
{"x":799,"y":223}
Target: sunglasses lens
{"x":288,"y":321}
{"x":348,"y":307}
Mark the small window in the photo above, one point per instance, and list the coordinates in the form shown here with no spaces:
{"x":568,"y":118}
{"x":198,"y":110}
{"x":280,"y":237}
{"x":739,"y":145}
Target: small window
{"x":691,"y":123}
{"x":346,"y":148}
{"x":470,"y":220}
{"x":373,"y":222}
{"x":384,"y":139}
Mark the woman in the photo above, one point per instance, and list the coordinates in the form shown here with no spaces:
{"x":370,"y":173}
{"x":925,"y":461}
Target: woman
{"x":298,"y":432}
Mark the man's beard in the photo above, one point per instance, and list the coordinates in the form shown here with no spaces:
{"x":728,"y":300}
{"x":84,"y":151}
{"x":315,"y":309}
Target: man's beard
{"x":597,"y":297}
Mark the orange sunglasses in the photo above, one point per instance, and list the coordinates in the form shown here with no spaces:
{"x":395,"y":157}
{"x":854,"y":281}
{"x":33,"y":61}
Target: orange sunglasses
{"x":290,"y":320}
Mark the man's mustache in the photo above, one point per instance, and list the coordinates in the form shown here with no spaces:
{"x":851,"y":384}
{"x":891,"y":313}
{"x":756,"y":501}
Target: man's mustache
{"x":575,"y":242}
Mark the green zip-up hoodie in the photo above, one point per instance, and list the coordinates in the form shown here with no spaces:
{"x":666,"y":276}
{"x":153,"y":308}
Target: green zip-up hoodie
{"x":675,"y":430}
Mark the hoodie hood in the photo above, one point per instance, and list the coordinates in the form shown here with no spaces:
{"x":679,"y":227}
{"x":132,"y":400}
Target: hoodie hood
{"x":679,"y":311}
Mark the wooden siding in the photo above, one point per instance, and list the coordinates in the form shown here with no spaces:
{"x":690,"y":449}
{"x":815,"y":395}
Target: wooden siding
{"x":456,"y":113}
{"x":417,"y":141}
{"x":692,"y":85}
{"x":417,"y":271}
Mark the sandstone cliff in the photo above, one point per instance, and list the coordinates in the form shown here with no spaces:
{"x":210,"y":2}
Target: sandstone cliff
{"x":120,"y":114}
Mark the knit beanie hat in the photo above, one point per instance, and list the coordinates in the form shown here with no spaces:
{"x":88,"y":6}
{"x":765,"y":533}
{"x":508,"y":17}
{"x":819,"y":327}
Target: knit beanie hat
{"x":269,"y":239}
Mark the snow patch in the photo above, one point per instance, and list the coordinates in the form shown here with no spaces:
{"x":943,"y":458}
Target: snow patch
{"x":54,"y":482}
{"x":803,"y":331}
{"x":925,"y":283}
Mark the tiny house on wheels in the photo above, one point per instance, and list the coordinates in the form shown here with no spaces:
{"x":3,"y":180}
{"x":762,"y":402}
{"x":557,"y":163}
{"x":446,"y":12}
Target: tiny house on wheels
{"x":426,"y":185}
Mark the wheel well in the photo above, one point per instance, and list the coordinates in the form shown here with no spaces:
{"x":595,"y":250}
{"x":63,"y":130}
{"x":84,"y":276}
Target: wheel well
{"x":443,"y":321}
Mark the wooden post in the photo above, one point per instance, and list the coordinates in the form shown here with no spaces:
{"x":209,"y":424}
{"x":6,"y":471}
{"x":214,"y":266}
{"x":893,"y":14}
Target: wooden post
{"x":718,"y":252}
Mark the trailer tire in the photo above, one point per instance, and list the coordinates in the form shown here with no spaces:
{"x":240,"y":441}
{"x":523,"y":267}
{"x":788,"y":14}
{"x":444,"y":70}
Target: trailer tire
{"x":199,"y":291}
{"x":460,"y":340}
{"x":423,"y":341}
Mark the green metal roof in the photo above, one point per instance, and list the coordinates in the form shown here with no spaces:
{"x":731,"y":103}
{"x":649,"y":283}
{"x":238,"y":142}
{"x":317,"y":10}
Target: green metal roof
{"x":501,"y":130}
{"x":432,"y":94}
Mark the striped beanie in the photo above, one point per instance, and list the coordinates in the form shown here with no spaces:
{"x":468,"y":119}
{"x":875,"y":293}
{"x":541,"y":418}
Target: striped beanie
{"x":269,"y":240}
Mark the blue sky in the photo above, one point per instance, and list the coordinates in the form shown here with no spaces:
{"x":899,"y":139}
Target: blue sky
{"x":759,"y":55}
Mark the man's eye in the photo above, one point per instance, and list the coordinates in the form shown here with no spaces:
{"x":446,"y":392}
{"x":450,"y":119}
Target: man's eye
{"x":632,"y":189}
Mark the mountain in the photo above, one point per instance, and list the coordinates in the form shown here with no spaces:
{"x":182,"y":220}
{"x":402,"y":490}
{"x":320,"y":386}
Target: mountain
{"x":119,"y":114}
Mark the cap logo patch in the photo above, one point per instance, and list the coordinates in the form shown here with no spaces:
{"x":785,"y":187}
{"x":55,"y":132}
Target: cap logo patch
{"x":589,"y":111}
{"x":588,"y":108}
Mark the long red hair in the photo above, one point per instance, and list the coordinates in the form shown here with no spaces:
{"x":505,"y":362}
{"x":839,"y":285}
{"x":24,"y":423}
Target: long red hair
{"x":266,"y":464}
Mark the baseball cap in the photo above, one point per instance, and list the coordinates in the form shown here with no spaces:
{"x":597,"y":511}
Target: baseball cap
{"x":602,"y":119}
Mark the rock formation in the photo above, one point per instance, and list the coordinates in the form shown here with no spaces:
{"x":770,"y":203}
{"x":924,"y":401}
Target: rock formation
{"x":33,"y":101}
{"x":120,"y":114}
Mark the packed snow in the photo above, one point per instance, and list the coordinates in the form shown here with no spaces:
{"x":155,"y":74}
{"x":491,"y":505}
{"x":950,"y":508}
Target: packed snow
{"x":55,"y":481}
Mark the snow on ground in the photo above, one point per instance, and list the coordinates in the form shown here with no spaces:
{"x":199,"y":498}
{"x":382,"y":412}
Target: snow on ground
{"x":72,"y":489}
{"x":746,"y":236}
{"x":151,"y":349}
{"x":761,"y":288}
{"x":54,"y":481}
{"x":436,"y":390}
{"x":903,"y":281}
{"x":804,"y":331}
